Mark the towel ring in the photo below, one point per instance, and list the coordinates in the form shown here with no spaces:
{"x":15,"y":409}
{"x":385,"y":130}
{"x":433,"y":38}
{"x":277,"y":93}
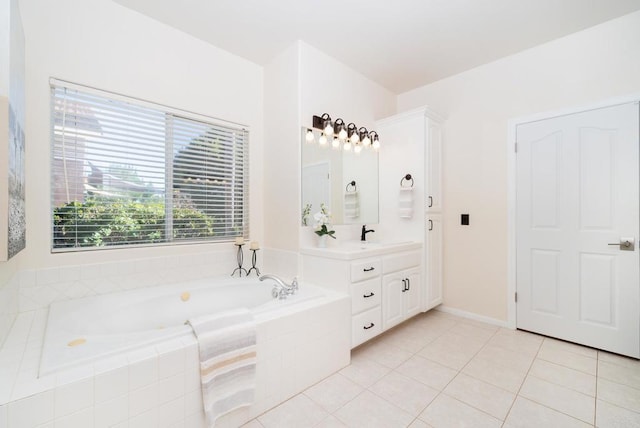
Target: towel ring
{"x":407,"y":177}
{"x":352,"y":184}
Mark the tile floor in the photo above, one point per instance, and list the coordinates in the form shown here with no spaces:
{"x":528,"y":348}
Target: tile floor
{"x":438,"y":370}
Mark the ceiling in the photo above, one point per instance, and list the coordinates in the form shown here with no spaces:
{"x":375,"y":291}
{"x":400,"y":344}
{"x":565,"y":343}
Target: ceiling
{"x":401,"y":44}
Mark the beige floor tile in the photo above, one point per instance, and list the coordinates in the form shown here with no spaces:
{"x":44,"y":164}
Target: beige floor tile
{"x":527,"y":414}
{"x":517,"y":341}
{"x":625,"y":375}
{"x":446,"y":412}
{"x":495,"y":374}
{"x":419,"y":424}
{"x":618,"y":394}
{"x":386,"y":354}
{"x":252,"y":424}
{"x":504,"y":357}
{"x":560,"y":398}
{"x":428,"y":372}
{"x":368,"y":410}
{"x":564,"y":376}
{"x":610,"y":416}
{"x":481,"y":395}
{"x":452,"y":350}
{"x":561,"y":345}
{"x":408,"y":345}
{"x":334,"y":392}
{"x":473,"y":331}
{"x":331,"y":422}
{"x":406,"y":393}
{"x":619,"y":360}
{"x":568,"y":359}
{"x":300,"y":411}
{"x":364,"y":372}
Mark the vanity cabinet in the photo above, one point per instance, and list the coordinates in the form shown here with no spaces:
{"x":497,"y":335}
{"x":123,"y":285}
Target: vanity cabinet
{"x":374,"y":283}
{"x":401,"y":294}
{"x":433,"y":266}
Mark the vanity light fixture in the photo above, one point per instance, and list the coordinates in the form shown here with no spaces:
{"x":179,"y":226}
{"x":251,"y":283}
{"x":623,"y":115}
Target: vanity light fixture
{"x":340,"y":128}
{"x":347,"y":135}
{"x":352,"y":132}
{"x":309,"y":136}
{"x":357,"y":148}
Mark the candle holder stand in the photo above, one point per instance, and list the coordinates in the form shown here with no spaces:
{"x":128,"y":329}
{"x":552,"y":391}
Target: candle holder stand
{"x":240,"y":258}
{"x":254,"y":259}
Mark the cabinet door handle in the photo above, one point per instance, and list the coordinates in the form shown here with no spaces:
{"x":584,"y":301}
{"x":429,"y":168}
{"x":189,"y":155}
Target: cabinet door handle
{"x":366,"y":296}
{"x":430,"y":224}
{"x":367,"y":327}
{"x":404,"y":285}
{"x":369,"y":269}
{"x":408,"y":284}
{"x":430,"y":201}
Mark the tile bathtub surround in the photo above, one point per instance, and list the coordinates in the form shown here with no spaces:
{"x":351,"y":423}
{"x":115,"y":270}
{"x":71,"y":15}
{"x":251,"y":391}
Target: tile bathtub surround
{"x":439,"y":370}
{"x":160,"y":385}
{"x":39,"y":288}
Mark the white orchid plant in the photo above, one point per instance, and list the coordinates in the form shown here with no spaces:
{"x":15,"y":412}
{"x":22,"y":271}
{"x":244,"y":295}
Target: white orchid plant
{"x":321,"y":220}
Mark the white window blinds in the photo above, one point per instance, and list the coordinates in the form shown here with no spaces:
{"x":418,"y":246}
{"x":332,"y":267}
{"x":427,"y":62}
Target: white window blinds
{"x":127,"y":172}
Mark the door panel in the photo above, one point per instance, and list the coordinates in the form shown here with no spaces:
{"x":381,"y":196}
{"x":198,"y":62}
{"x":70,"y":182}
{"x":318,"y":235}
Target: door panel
{"x":577,"y":192}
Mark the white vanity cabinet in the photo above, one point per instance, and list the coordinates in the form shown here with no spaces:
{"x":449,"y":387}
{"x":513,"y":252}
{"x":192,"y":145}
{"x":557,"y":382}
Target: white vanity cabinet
{"x":364,"y":274}
{"x":402,"y":288}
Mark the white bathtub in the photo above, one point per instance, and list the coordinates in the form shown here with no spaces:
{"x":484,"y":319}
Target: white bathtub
{"x":84,"y":330}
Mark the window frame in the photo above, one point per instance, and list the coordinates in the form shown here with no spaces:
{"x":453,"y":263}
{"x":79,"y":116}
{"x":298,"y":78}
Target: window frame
{"x":170,"y":115}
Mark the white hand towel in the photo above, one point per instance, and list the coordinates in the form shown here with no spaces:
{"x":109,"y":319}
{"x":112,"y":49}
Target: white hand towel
{"x":405,"y":202}
{"x":227,"y":344}
{"x":351,"y":205}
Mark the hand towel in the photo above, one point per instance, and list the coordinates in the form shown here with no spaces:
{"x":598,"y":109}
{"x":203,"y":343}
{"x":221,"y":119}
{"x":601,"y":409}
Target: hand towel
{"x":351,"y":205}
{"x":405,"y":202}
{"x":227,"y":345}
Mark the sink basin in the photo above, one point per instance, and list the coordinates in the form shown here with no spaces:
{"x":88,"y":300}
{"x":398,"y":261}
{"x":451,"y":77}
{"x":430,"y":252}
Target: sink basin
{"x":349,"y":250}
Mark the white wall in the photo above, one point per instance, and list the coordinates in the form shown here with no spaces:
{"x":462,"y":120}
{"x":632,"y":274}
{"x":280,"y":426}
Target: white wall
{"x":588,"y":66}
{"x":102,"y":44}
{"x":328,"y":86}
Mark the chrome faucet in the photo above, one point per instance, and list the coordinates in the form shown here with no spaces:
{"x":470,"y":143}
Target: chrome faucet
{"x":363,"y":236}
{"x":281,"y":289}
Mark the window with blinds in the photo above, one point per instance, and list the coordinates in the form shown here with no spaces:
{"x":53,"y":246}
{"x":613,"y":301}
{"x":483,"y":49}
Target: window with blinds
{"x":128,"y":172}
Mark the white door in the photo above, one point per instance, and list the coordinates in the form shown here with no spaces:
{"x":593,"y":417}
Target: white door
{"x":317,"y":186}
{"x":577,"y":193}
{"x":433,"y":268}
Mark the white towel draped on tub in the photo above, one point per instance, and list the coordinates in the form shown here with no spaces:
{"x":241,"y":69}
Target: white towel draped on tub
{"x":227,"y":343}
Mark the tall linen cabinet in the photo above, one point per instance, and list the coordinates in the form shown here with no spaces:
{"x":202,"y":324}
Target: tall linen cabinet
{"x":412,"y":146}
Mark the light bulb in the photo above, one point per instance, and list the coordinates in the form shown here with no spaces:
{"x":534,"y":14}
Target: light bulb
{"x":328,"y":129}
{"x":376,"y":144}
{"x":366,"y":140}
{"x":342,"y":134}
{"x":309,"y":137}
{"x":322,"y":140}
{"x":355,"y":137}
{"x":357,"y":148}
{"x":347,"y":146}
{"x":335,"y":143}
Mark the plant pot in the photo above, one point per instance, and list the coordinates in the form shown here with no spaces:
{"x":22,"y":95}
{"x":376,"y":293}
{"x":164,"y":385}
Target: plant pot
{"x":322,"y":241}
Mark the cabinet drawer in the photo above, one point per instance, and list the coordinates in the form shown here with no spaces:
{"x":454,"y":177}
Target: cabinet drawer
{"x":401,"y":261}
{"x":365,"y":295}
{"x":362,"y":270}
{"x":365,"y":326}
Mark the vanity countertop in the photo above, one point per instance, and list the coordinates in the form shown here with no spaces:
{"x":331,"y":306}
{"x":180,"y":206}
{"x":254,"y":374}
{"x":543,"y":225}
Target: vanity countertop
{"x":357,"y":250}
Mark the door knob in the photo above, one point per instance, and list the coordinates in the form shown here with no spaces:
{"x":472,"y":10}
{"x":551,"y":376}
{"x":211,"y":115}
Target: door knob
{"x":626,"y":244}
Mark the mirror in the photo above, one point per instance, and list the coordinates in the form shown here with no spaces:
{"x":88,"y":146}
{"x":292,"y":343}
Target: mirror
{"x":345,"y":181}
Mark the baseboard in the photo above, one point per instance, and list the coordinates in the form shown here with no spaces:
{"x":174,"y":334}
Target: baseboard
{"x":472,"y":316}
